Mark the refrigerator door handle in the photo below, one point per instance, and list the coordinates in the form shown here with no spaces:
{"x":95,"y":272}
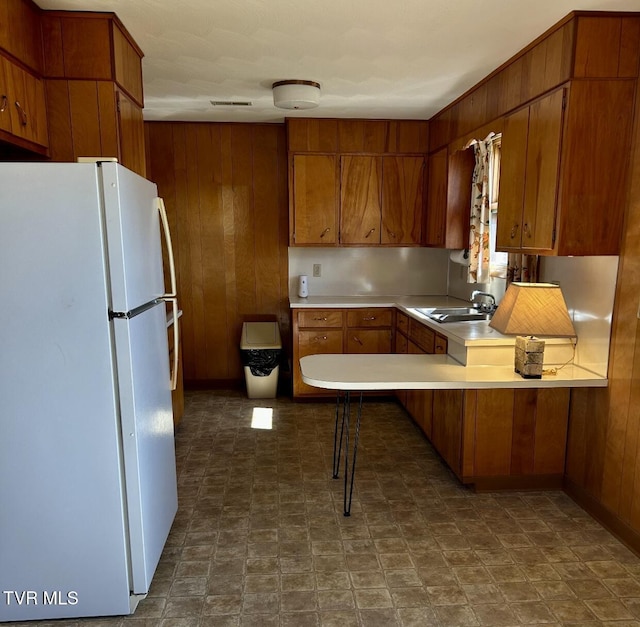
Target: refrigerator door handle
{"x":167,"y":237}
{"x":176,"y":344}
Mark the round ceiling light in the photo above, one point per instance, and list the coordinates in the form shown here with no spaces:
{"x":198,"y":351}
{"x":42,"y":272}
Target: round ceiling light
{"x":293,"y":94}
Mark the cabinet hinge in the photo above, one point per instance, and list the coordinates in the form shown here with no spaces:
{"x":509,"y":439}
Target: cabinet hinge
{"x":553,"y":237}
{"x":564,"y":100}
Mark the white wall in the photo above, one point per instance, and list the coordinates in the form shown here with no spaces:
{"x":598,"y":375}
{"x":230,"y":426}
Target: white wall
{"x":370,"y":271}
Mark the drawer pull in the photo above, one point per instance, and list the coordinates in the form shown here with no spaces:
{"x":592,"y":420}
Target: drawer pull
{"x":323,"y":319}
{"x":527,"y":230}
{"x":320,"y":338}
{"x":325,"y":232}
{"x":22,"y":113}
{"x":5,"y":102}
{"x":514,"y":230}
{"x":369,"y":318}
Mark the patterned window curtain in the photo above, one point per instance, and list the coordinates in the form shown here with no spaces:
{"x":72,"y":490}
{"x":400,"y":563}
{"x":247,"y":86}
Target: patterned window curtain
{"x":479,"y":251}
{"x":523,"y":268}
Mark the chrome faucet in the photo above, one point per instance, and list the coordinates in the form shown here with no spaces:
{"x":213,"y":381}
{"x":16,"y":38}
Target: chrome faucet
{"x":484,"y":301}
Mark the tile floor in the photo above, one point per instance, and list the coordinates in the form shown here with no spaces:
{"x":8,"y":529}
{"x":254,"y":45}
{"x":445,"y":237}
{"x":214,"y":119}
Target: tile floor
{"x":260,"y":539}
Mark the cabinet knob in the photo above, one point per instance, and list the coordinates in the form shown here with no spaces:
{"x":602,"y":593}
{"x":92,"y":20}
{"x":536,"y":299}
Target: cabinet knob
{"x":325,"y":232}
{"x":392,"y":234}
{"x":369,"y":233}
{"x":5,"y":102}
{"x":514,"y":230}
{"x":22,"y":113}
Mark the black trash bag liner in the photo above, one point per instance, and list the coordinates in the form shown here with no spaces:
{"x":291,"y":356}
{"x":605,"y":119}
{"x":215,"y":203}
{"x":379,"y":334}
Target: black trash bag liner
{"x":261,"y":361}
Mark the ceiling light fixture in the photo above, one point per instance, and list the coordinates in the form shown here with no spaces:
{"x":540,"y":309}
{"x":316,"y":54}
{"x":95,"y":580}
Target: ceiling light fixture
{"x":295,"y":94}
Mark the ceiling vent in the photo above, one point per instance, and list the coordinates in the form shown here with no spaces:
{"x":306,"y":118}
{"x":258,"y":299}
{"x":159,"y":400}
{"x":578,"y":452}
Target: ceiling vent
{"x":293,"y":94}
{"x":231,"y":103}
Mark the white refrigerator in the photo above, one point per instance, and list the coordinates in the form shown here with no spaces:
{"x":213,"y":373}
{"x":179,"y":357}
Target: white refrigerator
{"x":87,"y":460}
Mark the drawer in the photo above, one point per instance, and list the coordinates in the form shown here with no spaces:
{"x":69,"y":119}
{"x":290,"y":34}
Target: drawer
{"x":313,"y":342}
{"x":320,"y":318}
{"x":402,"y":323}
{"x":374,"y":317}
{"x":440,"y":345}
{"x":369,"y":341}
{"x":422,"y":336}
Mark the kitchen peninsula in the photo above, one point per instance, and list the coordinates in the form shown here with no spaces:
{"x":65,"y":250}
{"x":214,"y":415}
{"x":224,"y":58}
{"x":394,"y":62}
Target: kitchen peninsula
{"x":493,"y":428}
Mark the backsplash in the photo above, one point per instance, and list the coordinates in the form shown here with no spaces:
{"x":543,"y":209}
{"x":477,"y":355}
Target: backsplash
{"x":589,"y":286}
{"x":370,"y":271}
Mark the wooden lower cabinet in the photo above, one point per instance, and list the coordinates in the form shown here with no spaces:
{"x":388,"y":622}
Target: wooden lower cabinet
{"x":493,"y":438}
{"x":354,"y":330}
{"x":503,"y":438}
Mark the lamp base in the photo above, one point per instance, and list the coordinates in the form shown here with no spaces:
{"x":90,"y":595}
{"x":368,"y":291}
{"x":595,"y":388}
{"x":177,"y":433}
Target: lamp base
{"x":529,"y":356}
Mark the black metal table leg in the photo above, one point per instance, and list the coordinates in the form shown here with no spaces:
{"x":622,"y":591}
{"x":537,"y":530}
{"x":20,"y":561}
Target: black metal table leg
{"x":347,"y":501}
{"x":337,"y":448}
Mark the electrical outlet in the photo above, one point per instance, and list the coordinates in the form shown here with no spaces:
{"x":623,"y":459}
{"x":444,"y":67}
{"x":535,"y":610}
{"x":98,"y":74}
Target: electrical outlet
{"x":317,"y":269}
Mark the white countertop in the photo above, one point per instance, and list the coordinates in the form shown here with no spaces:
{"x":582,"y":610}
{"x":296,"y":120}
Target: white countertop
{"x":424,"y":372}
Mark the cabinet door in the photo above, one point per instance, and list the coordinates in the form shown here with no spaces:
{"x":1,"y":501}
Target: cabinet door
{"x":513,"y":163}
{"x":26,"y":105}
{"x":436,"y":199}
{"x":402,"y":200}
{"x":368,"y":341}
{"x":446,"y":434}
{"x":530,"y":168}
{"x":419,"y":403}
{"x":542,"y":173}
{"x":314,"y":200}
{"x":360,"y":214}
{"x":131,"y":134}
{"x":5,"y":102}
{"x":312,"y":342}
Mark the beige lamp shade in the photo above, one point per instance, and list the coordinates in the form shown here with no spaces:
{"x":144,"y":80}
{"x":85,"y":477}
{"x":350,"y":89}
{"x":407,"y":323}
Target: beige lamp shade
{"x":533,"y":309}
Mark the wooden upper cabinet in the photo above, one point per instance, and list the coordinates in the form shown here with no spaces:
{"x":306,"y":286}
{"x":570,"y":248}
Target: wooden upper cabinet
{"x":436,"y":214}
{"x":449,"y":198}
{"x":313,"y":200}
{"x":531,"y":143}
{"x":607,"y":47}
{"x":92,"y":46}
{"x":5,"y":104}
{"x":130,"y":133}
{"x":564,"y":170}
{"x":24,"y":103}
{"x":20,"y":32}
{"x":402,"y":200}
{"x":360,"y":210}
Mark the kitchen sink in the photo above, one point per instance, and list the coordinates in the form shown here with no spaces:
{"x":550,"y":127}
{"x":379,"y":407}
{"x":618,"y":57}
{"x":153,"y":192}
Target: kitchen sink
{"x":453,"y":314}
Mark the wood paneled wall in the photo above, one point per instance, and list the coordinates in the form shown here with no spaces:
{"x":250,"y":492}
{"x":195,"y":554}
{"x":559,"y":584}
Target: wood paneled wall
{"x":603,"y":453}
{"x":225,"y":188}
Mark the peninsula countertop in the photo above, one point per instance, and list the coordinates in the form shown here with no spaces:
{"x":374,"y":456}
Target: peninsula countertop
{"x":423,"y":372}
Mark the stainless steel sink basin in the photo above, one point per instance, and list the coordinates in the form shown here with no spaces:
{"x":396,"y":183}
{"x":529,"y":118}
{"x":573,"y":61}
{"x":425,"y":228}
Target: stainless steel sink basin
{"x":453,"y":314}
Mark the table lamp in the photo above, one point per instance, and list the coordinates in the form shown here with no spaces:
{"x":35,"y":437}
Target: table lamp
{"x":527,"y":311}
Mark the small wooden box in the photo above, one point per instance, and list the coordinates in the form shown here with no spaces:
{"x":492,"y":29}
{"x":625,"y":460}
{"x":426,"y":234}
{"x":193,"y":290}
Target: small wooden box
{"x":529,"y":357}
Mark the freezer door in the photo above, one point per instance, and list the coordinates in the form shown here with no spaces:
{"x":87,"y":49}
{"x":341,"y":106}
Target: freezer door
{"x":133,"y":237}
{"x":142,"y":357}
